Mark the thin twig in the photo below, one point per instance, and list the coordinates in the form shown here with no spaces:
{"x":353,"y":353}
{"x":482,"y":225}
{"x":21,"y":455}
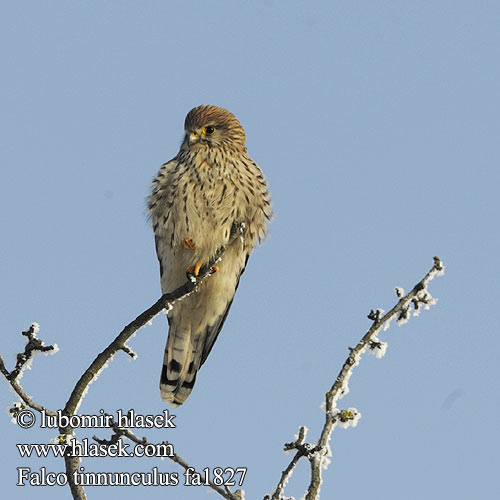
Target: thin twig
{"x":23,"y":360}
{"x":298,"y":445}
{"x":318,"y":454}
{"x":121,"y":431}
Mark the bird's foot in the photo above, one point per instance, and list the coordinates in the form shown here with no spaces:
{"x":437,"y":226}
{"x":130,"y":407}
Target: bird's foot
{"x":195,"y":270}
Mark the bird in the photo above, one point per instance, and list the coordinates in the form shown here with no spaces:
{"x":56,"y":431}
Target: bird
{"x":195,"y":199}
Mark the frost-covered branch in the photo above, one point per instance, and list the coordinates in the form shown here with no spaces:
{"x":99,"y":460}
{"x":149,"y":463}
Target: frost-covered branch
{"x":318,"y":455}
{"x":119,"y":432}
{"x":303,"y":450}
{"x":24,"y":359}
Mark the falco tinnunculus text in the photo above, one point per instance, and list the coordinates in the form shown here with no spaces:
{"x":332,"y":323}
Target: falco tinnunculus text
{"x":196,"y":197}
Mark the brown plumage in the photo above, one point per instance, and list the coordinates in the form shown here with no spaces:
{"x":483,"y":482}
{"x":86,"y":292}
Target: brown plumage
{"x":196,"y":198}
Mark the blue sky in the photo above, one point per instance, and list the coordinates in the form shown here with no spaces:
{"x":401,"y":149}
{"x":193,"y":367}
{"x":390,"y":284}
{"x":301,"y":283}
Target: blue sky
{"x":376,"y":124}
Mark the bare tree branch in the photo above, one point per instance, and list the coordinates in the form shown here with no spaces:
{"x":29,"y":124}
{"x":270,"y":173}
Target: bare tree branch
{"x":298,"y":445}
{"x":318,"y":455}
{"x":23,"y":361}
{"x":121,"y":431}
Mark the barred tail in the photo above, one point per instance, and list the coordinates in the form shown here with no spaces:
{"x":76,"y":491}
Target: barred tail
{"x":185,"y":352}
{"x":180,"y":365}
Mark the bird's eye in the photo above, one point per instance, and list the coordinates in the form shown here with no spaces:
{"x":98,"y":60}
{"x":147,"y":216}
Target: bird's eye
{"x":209,"y":130}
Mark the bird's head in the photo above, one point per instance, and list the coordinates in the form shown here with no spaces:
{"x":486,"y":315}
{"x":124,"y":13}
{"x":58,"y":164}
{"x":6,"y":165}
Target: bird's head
{"x":212,"y":127}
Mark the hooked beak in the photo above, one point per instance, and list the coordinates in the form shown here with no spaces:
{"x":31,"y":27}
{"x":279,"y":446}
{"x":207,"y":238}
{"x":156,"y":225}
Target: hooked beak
{"x":193,"y":137}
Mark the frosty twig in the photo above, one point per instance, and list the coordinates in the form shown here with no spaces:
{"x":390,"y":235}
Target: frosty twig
{"x":23,"y":361}
{"x":318,"y":455}
{"x":118,"y":432}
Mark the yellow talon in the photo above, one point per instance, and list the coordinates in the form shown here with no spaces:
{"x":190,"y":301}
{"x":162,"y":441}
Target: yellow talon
{"x":194,"y":269}
{"x":188,"y":244}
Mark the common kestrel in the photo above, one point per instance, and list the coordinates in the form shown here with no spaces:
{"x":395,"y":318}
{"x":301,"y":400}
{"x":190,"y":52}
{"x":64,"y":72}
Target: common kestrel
{"x":196,"y":197}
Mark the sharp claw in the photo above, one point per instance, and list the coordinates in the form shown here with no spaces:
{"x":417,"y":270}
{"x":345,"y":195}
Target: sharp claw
{"x":194,"y":269}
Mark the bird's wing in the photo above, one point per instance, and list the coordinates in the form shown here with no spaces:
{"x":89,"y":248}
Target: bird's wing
{"x":213,"y":331}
